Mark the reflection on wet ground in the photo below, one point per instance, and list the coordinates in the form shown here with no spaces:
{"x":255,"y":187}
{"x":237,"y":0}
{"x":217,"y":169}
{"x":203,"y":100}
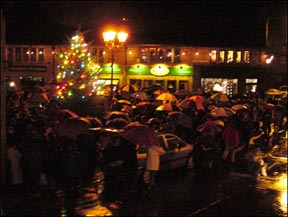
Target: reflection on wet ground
{"x":177,"y":193}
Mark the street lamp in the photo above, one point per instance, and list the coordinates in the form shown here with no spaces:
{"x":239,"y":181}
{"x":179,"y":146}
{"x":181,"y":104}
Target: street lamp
{"x":113,"y":40}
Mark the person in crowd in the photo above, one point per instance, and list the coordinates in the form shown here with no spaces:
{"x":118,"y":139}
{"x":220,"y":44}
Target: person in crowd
{"x":231,"y":140}
{"x":266,"y":117}
{"x":15,"y":165}
{"x":153,"y":163}
{"x":205,"y":150}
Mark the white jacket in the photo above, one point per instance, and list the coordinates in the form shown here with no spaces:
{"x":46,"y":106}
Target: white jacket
{"x":153,"y":157}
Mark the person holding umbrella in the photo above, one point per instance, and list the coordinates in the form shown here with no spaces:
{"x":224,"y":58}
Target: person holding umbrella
{"x":153,"y":164}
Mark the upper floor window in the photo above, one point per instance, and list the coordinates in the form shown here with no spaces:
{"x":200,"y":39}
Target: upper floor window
{"x":177,"y":54}
{"x":246,"y":56}
{"x":160,"y":55}
{"x":101,"y":56}
{"x":26,"y":54}
{"x":18,"y":56}
{"x":169,"y":55}
{"x":41,"y":54}
{"x":238,"y":58}
{"x":144,"y":55}
{"x":10,"y":54}
{"x":152,"y":54}
{"x":33,"y":54}
{"x":230,"y":56}
{"x":213,"y":56}
{"x":221,"y":56}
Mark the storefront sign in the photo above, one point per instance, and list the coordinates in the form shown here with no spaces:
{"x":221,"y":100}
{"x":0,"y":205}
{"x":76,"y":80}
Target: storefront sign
{"x":159,"y":70}
{"x":27,"y":68}
{"x":106,"y":69}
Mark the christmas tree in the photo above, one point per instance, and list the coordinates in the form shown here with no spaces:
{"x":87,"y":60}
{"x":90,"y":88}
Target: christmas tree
{"x":77,"y":71}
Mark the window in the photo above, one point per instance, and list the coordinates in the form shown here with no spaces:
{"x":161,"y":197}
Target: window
{"x":101,"y":56}
{"x":144,"y":54}
{"x":26,"y":54}
{"x":152,"y":54}
{"x":160,"y":54}
{"x":169,"y":55}
{"x":213,"y":56}
{"x":177,"y":55}
{"x":41,"y":55}
{"x":221,"y":56}
{"x":18,"y":54}
{"x":33,"y":54}
{"x":238,"y":57}
{"x":246,"y":57}
{"x":10,"y":54}
{"x":230,"y":56}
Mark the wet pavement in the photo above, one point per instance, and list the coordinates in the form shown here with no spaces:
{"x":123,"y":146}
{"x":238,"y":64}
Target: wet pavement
{"x":177,"y":193}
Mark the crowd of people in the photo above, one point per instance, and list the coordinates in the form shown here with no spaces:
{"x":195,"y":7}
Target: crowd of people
{"x":35,"y":149}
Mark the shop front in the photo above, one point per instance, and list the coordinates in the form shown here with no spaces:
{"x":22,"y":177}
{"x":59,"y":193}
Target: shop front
{"x":234,"y":80}
{"x":171,"y":78}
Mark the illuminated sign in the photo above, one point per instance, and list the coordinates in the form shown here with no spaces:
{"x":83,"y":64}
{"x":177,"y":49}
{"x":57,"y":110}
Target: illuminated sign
{"x":159,"y":70}
{"x":27,"y":68}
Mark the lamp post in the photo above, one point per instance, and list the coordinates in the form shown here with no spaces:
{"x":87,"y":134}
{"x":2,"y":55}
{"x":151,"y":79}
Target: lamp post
{"x":113,"y":40}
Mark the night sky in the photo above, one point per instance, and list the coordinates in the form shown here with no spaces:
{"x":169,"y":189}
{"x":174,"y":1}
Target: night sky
{"x":201,"y":23}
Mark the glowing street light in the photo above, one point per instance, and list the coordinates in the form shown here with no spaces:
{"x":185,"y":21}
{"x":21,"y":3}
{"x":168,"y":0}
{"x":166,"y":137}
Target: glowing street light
{"x":113,"y":40}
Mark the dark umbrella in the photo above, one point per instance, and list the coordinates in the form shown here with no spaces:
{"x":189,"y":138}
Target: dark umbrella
{"x":73,"y":127}
{"x":62,"y":114}
{"x":117,"y":114}
{"x":179,"y":118}
{"x":141,"y":135}
{"x":95,"y":122}
{"x":117,"y":123}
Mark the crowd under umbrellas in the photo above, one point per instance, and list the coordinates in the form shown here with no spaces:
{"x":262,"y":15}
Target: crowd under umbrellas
{"x":139,"y":114}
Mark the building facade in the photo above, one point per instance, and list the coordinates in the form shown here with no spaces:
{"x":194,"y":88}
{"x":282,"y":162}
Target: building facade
{"x":231,"y":70}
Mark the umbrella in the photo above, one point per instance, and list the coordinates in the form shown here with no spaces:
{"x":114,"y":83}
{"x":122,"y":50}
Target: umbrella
{"x":62,"y":114}
{"x":222,"y":112}
{"x":139,"y":95}
{"x":167,"y":107}
{"x":179,"y":118}
{"x":132,"y":124}
{"x":273,"y":92}
{"x":188,"y":104}
{"x":239,"y":107}
{"x":124,"y":101}
{"x":73,"y":127}
{"x":117,"y":123}
{"x":141,"y":135}
{"x":131,"y":88}
{"x":167,"y":97}
{"x":144,"y":103}
{"x":117,"y":114}
{"x":158,"y":92}
{"x":95,"y":122}
{"x":196,"y":98}
{"x":212,"y":125}
{"x":220,"y":97}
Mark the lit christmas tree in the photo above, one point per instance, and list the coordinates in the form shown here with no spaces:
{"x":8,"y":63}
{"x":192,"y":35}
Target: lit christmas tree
{"x":77,"y":71}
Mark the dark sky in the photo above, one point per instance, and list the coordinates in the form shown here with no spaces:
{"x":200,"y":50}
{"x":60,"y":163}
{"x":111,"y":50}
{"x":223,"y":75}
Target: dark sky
{"x":202,"y":23}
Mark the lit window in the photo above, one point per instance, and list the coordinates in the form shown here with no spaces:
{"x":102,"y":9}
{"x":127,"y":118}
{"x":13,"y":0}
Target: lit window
{"x":152,"y":54}
{"x":10,"y":54}
{"x":246,"y":57}
{"x":213,"y":56}
{"x":230,"y":56}
{"x":221,"y":56}
{"x":169,"y":55}
{"x":238,"y":57}
{"x":144,"y":52}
